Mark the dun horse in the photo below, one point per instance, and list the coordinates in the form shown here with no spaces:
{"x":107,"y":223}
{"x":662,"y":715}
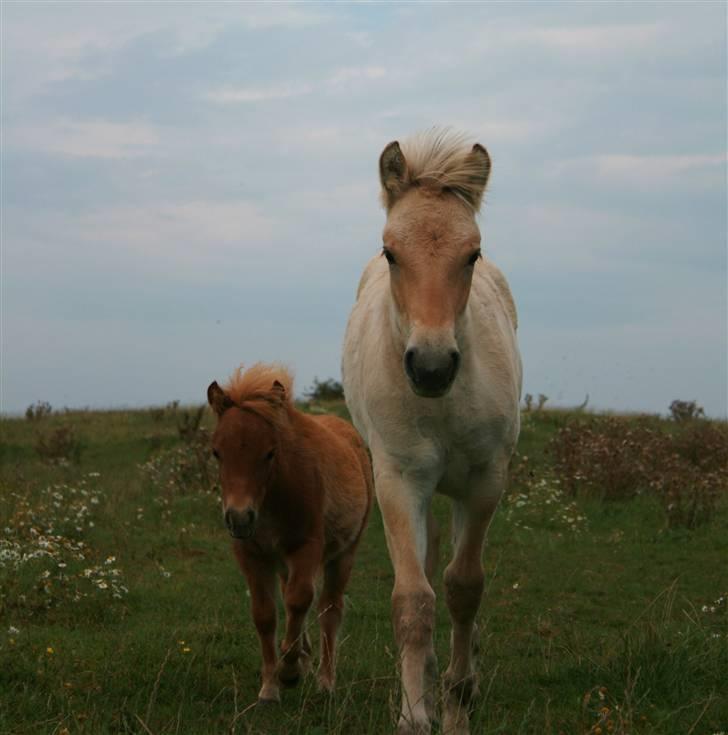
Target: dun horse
{"x":296,"y":493}
{"x":432,"y":377}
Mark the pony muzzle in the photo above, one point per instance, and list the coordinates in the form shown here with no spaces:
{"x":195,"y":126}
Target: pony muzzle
{"x":241,"y":523}
{"x":431,"y":371}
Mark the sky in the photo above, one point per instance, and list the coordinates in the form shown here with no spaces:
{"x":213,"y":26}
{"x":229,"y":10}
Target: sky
{"x":191,"y":186}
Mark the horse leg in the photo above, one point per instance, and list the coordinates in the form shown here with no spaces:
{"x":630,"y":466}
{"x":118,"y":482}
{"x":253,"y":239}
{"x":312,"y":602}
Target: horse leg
{"x":331,"y":610}
{"x":404,"y":508}
{"x":262,"y":585}
{"x":302,"y":566}
{"x":464,"y":583}
{"x":432,"y":560}
{"x":305,"y":641}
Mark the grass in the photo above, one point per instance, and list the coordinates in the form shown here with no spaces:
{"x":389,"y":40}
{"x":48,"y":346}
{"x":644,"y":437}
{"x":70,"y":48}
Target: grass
{"x":598,"y":618}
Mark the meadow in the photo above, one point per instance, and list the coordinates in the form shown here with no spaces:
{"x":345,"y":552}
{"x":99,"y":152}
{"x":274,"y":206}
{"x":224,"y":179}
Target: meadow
{"x":123,"y":611}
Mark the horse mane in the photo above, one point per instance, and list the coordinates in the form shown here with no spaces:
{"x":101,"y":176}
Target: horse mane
{"x":253,"y":390}
{"x":439,"y":159}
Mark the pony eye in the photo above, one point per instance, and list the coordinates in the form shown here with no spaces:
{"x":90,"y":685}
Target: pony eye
{"x":474,"y":258}
{"x":388,"y":255}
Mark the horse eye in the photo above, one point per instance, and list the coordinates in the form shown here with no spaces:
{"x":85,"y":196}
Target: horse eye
{"x":215,"y":454}
{"x":388,"y":255}
{"x":270,"y":455}
{"x":473,"y":258}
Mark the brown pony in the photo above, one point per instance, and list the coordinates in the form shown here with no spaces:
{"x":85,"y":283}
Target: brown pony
{"x":296,"y":493}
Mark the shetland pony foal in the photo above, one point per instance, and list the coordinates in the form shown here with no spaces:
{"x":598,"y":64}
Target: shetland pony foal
{"x":432,"y":378}
{"x":296,"y":493}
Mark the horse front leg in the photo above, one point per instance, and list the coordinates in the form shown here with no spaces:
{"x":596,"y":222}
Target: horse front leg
{"x":299,"y":591}
{"x":404,"y":506}
{"x":261,"y":577}
{"x":464,"y":583}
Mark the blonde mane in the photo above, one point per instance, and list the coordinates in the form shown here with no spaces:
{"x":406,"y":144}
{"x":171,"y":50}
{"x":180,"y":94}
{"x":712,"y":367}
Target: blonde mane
{"x":253,"y":389}
{"x":439,"y":159}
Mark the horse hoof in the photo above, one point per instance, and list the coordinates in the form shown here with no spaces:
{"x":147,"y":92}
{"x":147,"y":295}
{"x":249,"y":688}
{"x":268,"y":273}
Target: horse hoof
{"x":409,"y":727}
{"x":289,"y":677}
{"x":269,"y":694}
{"x":455,"y":720}
{"x":326,"y":684}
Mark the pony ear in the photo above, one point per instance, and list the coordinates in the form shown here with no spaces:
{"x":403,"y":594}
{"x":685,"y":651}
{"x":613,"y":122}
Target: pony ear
{"x":279,"y":390}
{"x":393,"y":173}
{"x":218,"y":399}
{"x":478,"y":166}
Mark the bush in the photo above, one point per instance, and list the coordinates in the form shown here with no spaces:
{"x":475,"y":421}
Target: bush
{"x":60,"y":445}
{"x":186,"y":469}
{"x":37,"y":411}
{"x":615,"y":458}
{"x":681,"y":411}
{"x":327,"y":390}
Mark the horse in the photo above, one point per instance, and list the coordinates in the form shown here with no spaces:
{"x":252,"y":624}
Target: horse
{"x":296,"y":494}
{"x":432,"y":377}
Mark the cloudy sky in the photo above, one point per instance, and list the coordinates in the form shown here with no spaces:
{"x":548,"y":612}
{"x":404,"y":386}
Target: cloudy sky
{"x":189,"y":186}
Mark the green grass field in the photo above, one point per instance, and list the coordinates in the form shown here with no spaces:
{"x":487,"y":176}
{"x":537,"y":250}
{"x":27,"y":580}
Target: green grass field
{"x":122,"y":609}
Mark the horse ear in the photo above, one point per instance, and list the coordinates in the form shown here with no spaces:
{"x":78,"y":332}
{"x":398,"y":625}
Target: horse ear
{"x":393,"y":173}
{"x":478,"y":165}
{"x":279,"y":389}
{"x":218,"y":399}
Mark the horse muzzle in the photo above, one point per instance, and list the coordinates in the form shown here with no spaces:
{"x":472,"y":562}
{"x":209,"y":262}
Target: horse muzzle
{"x":241,"y":523}
{"x":430,"y":371}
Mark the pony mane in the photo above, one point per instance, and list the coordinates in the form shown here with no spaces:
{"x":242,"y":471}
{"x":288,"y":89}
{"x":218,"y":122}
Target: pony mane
{"x":253,"y":390}
{"x":439,"y":159}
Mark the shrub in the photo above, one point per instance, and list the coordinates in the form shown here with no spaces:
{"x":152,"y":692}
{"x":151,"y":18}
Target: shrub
{"x":326,"y":390}
{"x":615,"y":458}
{"x":681,"y":411}
{"x":37,"y":411}
{"x":186,"y":469}
{"x":59,"y":445}
{"x":189,"y":423}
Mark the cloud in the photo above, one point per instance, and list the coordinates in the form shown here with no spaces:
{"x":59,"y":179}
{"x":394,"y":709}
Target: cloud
{"x":340,"y":80}
{"x":592,"y":38}
{"x":648,"y":172}
{"x":86,"y":139}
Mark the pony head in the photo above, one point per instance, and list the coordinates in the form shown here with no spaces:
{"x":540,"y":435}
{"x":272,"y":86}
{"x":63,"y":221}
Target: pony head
{"x":250,"y":414}
{"x":432,"y":188}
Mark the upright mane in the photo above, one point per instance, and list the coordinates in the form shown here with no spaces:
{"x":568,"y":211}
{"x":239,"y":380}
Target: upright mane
{"x":254,"y":389}
{"x":440,"y":159}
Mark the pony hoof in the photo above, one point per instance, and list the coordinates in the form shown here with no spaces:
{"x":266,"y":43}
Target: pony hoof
{"x":290,"y":677}
{"x":326,"y":684}
{"x":269,"y":695}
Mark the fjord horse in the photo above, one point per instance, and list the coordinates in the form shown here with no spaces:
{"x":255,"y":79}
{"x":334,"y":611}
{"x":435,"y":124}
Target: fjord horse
{"x":432,"y":378}
{"x":296,"y":493}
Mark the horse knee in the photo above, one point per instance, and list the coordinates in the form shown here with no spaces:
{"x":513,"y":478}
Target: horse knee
{"x":299,"y":598}
{"x":463,"y":594}
{"x":413,"y":616}
{"x":264,"y":618}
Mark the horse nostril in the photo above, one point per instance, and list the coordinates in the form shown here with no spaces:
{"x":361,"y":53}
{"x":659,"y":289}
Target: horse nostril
{"x":409,"y":362}
{"x":228,"y":519}
{"x":455,"y":360}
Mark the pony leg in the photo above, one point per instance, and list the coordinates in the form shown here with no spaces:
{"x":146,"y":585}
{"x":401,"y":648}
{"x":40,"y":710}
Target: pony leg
{"x":331,"y":610}
{"x":305,"y":641}
{"x":298,"y":596}
{"x":464,"y":582}
{"x":262,"y":585}
{"x":404,"y":511}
